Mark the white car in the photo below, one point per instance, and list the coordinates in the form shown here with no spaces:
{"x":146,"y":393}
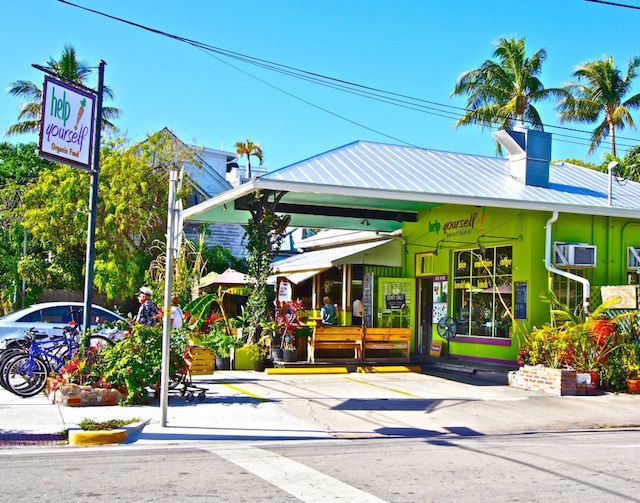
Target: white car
{"x":51,"y":317}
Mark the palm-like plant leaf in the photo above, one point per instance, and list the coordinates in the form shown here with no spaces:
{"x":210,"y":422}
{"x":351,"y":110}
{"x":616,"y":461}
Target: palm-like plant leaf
{"x":503,"y":90}
{"x":67,"y":67}
{"x":599,"y":97}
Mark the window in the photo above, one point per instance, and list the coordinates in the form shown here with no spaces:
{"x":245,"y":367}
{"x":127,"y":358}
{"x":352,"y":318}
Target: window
{"x":58,"y":314}
{"x":33,"y":317}
{"x":483,"y":291}
{"x":567,"y":291}
{"x":101,"y":316}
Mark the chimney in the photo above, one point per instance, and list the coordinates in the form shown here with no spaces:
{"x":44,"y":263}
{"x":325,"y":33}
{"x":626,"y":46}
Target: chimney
{"x":529,"y":154}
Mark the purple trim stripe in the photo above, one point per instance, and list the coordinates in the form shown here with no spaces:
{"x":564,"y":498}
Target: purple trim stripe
{"x":483,"y":340}
{"x":487,"y":360}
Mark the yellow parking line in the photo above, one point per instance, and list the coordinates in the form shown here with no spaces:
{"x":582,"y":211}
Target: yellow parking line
{"x":388,"y":368}
{"x":308,"y":370}
{"x":383,"y":387}
{"x":244,"y":392}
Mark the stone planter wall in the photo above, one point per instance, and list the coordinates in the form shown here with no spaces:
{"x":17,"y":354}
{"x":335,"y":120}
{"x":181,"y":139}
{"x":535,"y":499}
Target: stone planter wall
{"x":558,"y":382}
{"x":74,"y":395}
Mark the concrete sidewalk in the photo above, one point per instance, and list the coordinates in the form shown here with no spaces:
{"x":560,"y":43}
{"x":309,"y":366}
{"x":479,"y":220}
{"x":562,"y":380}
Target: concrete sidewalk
{"x":246,"y":405}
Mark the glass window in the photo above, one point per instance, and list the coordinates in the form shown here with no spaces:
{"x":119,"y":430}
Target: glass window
{"x":483,"y":291}
{"x":101,"y":316}
{"x":58,"y":314}
{"x":567,"y":291}
{"x":33,"y":317}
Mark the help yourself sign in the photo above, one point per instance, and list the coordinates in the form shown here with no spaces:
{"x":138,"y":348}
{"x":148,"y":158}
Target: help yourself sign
{"x":66,"y":129}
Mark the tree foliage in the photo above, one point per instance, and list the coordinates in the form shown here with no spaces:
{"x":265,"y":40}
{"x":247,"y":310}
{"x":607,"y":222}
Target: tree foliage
{"x":600,"y":96}
{"x":19,"y":166}
{"x":67,"y":67}
{"x":132,"y":209}
{"x":504,"y":89}
{"x":249,"y":149}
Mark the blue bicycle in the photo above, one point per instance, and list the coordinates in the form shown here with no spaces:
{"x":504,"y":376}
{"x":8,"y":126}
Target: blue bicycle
{"x":25,"y":373}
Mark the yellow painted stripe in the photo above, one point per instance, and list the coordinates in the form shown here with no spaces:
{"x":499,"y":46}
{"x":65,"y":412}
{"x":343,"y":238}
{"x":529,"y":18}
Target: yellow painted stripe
{"x":390,"y":368}
{"x":244,"y":391}
{"x":100,"y":437}
{"x":384,"y":387}
{"x":308,"y":370}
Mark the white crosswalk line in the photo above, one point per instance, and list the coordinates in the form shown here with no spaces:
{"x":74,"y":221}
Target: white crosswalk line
{"x":299,"y":480}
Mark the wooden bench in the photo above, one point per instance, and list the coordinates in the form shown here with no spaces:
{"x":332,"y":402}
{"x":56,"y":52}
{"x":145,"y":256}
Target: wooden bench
{"x":324,"y":337}
{"x":387,"y":338}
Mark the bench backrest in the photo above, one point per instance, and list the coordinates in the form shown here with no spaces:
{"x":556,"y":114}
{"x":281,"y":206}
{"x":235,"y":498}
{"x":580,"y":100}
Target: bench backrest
{"x":386,"y":334}
{"x":321,"y":333}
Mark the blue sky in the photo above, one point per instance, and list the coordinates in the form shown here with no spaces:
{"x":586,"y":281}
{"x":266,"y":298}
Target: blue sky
{"x":417,"y":48}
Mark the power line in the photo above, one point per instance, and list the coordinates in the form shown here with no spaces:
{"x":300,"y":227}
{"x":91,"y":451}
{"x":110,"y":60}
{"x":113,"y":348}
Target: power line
{"x":614,"y":4}
{"x":388,"y":97}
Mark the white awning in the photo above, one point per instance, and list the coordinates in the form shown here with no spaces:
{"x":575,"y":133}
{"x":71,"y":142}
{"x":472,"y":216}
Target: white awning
{"x":385,"y":252}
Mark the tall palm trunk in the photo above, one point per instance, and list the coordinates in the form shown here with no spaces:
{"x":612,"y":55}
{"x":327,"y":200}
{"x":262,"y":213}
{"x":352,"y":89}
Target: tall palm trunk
{"x":247,"y":173}
{"x":612,"y":133}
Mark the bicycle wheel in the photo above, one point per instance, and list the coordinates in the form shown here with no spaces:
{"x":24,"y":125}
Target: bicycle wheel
{"x":27,"y":376}
{"x":5,"y":358}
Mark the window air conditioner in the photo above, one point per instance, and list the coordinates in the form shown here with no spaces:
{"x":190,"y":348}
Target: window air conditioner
{"x":633,"y":258}
{"x":574,"y":255}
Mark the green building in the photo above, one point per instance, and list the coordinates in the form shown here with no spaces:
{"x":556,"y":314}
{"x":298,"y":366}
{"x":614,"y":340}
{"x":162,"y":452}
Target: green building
{"x":477,"y":237}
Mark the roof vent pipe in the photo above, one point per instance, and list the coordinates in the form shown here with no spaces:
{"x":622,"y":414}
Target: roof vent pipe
{"x":610,"y":167}
{"x":586,"y":286}
{"x":529,"y":154}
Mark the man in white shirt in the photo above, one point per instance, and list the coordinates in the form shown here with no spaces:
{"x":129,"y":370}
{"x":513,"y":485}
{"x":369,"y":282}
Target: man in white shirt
{"x":357,"y":312}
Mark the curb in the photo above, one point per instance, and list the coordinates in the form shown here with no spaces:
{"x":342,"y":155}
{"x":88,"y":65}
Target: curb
{"x":84,"y":438}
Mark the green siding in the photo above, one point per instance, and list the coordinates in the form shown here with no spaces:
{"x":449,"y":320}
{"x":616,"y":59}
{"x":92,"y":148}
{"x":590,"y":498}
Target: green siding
{"x":525,"y":231}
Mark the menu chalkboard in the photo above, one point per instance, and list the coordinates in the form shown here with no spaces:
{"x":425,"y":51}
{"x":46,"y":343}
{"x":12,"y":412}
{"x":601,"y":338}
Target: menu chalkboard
{"x":367,"y":299}
{"x":520,"y":305}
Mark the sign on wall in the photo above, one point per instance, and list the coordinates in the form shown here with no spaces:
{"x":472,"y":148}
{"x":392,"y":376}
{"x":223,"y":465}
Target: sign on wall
{"x":66,"y":128}
{"x":520,"y":300}
{"x":284,"y":291}
{"x":625,"y":296}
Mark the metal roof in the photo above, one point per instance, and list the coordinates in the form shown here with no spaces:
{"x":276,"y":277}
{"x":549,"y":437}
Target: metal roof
{"x":411,"y":169}
{"x":382,"y":179}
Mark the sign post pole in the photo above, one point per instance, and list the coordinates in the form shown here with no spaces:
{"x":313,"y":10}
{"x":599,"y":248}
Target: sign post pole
{"x":171,"y":253}
{"x":93,"y":206}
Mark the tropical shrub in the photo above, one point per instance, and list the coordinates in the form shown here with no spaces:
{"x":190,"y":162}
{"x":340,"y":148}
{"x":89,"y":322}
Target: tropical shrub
{"x":135,"y":362}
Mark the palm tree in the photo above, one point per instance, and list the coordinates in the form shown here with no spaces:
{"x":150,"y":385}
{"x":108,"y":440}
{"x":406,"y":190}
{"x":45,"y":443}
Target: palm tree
{"x":598,"y":97}
{"x":68,"y":67}
{"x":504,"y":89}
{"x":248,"y":149}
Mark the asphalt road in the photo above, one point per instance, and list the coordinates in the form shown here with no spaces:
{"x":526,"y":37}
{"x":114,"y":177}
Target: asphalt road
{"x":569,"y":467}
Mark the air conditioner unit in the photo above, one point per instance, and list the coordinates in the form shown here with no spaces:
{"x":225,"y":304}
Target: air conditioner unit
{"x":633,"y":258}
{"x":574,"y":255}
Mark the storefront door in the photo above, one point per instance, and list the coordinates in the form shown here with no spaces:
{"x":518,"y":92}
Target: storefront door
{"x":425,"y":316}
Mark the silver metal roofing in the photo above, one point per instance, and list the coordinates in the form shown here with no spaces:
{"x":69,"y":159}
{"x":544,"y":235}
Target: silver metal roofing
{"x":390,"y":178}
{"x":410,"y":169}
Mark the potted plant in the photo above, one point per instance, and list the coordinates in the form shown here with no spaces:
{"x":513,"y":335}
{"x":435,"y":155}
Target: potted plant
{"x":630,"y":354}
{"x":289,"y":353}
{"x":221,"y":344}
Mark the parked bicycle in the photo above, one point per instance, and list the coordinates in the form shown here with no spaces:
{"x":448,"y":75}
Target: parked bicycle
{"x":24,"y":370}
